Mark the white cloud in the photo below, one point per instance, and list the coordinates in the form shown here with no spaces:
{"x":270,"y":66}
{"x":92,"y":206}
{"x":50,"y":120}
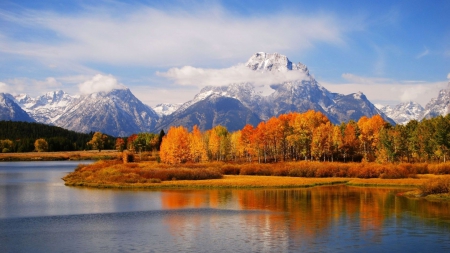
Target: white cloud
{"x":154,"y":37}
{"x":33,"y":87}
{"x":388,"y":91}
{"x":424,"y":53}
{"x":4,"y":87}
{"x":100,"y":83}
{"x":49,"y":82}
{"x":200,"y":77}
{"x":448,"y":76}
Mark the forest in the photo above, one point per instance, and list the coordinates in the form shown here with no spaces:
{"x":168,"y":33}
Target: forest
{"x":28,"y":137}
{"x":310,"y":136}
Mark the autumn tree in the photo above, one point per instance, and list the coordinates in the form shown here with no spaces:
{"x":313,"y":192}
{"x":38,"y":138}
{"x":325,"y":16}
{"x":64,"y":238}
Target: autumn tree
{"x":198,"y":151}
{"x":369,"y":131}
{"x":120,"y":144}
{"x":6,"y":146}
{"x":98,"y":141}
{"x":246,"y":141}
{"x":350,"y":140}
{"x":40,"y":145}
{"x":131,"y":141}
{"x":175,"y":146}
{"x":235,"y":148}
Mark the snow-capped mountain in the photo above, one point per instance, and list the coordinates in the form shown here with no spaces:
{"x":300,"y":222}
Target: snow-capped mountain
{"x":212,"y":111}
{"x":438,"y":106}
{"x":291,"y":96}
{"x":46,"y":108}
{"x":10,"y":110}
{"x":404,"y":112}
{"x":118,"y":113}
{"x":264,"y":62}
{"x":166,"y":109}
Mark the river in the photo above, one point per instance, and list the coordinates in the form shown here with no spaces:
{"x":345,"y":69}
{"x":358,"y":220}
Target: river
{"x":39,"y":214}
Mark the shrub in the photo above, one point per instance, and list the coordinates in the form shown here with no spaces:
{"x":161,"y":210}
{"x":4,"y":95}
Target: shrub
{"x":302,"y":169}
{"x":230,"y":169}
{"x":439,"y":169}
{"x":256,"y":169}
{"x":391,"y":171}
{"x":436,"y":186}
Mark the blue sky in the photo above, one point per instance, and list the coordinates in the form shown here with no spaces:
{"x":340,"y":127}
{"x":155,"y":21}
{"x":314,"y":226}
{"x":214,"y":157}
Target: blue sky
{"x":393,"y":51}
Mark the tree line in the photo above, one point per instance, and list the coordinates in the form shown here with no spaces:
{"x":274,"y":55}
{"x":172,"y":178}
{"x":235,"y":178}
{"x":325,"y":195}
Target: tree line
{"x":16,"y":136}
{"x":311,"y":136}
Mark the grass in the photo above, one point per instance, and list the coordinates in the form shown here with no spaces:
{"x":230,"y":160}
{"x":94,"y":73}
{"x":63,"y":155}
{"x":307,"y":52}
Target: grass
{"x":230,"y":175}
{"x":61,"y":156}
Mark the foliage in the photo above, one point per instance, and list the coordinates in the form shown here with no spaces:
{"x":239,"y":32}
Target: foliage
{"x":310,"y":136}
{"x":436,"y":186}
{"x":98,"y":141}
{"x":41,"y":145}
{"x":23,"y":135}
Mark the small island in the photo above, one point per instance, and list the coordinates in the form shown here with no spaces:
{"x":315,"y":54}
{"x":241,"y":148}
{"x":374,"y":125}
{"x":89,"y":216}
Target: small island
{"x":154,"y":175}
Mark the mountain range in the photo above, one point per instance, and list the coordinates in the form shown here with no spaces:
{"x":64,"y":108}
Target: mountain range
{"x":120,"y":113}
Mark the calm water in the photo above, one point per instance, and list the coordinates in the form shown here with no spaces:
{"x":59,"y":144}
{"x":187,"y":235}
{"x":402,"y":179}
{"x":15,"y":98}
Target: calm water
{"x":39,"y":214}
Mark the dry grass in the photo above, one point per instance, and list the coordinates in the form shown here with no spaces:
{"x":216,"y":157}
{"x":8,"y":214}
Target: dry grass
{"x":115,"y":172}
{"x":59,"y":156}
{"x":228,"y":181}
{"x":437,"y":185}
{"x":279,"y":175}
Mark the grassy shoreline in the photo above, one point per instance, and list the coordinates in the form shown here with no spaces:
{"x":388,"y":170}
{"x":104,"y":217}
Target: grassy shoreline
{"x":60,"y":156}
{"x":275,"y":182}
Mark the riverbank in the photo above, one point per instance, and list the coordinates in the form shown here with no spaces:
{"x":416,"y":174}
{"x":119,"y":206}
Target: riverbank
{"x":153,"y":175}
{"x":61,"y":156}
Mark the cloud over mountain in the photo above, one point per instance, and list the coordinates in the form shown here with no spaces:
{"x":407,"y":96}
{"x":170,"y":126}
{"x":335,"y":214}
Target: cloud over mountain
{"x":100,"y":83}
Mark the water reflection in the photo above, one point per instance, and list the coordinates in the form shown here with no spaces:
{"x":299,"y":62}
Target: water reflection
{"x":39,"y":214}
{"x":301,"y":218}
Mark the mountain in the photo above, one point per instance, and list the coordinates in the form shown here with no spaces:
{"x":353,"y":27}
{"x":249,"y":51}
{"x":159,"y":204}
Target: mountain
{"x":353,"y":107}
{"x":212,"y":111}
{"x":117,"y":113}
{"x":165,"y":109}
{"x":46,"y":108}
{"x":10,"y":110}
{"x":298,"y":95}
{"x":438,"y":106}
{"x":404,"y":112}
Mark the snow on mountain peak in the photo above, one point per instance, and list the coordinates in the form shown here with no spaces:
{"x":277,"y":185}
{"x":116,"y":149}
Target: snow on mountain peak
{"x":275,"y":62}
{"x":403,"y":112}
{"x":165,"y":109}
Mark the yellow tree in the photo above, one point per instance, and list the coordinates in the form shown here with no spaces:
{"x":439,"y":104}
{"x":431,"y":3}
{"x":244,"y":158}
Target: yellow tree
{"x":197,"y":146}
{"x":41,"y":145}
{"x":322,"y":141}
{"x":235,"y":148}
{"x":336,"y":141}
{"x":98,"y":141}
{"x":175,"y":146}
{"x":370,"y":135}
{"x":214,"y":144}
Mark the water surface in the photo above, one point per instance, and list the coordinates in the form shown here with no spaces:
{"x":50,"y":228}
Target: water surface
{"x":39,"y":214}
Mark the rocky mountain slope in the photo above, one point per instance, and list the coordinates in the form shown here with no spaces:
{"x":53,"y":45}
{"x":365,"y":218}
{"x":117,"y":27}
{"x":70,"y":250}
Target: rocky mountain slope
{"x":438,"y":106}
{"x":404,"y":112}
{"x":46,"y":108}
{"x":165,"y":109}
{"x":290,"y":96}
{"x":10,"y":110}
{"x":118,"y":113}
